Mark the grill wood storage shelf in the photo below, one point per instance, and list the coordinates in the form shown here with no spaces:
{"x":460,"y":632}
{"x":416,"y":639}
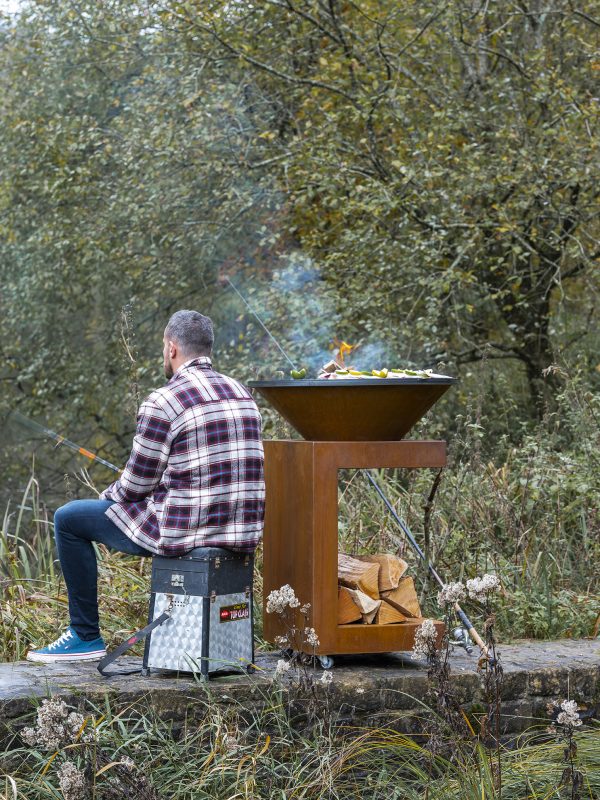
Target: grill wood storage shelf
{"x":301,"y":534}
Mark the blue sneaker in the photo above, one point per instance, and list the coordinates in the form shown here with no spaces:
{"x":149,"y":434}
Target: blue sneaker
{"x":69,"y":647}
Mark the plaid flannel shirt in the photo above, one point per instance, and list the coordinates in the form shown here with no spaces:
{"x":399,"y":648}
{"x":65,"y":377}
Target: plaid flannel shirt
{"x":195,"y":474}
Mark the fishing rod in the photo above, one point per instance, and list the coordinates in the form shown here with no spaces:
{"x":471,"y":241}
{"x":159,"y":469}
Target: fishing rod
{"x":432,"y":571}
{"x":261,"y":323}
{"x":463,"y":640}
{"x":35,"y":426}
{"x":62,"y":440}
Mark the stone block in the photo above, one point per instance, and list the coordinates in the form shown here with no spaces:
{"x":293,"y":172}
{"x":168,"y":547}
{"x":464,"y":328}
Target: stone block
{"x":516,"y":716}
{"x":514,"y":685}
{"x":549,"y":682}
{"x":584,"y":683}
{"x":366,"y":690}
{"x":466,"y":688}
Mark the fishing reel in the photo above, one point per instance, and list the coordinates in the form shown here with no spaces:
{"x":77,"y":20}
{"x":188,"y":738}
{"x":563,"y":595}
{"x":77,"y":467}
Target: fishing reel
{"x":462,"y":639}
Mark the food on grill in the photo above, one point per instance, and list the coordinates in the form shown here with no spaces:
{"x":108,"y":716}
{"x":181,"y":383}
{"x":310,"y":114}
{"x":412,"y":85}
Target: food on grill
{"x":337,"y":369}
{"x":349,"y":374}
{"x":298,"y":374}
{"x":334,"y":371}
{"x":329,"y":367}
{"x":374,"y":589}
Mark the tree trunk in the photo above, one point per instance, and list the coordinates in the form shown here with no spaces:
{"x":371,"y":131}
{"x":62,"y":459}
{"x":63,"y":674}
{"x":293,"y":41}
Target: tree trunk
{"x":537,"y":355}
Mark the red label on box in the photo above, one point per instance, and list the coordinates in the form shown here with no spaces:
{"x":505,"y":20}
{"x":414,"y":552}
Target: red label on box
{"x":232,"y":613}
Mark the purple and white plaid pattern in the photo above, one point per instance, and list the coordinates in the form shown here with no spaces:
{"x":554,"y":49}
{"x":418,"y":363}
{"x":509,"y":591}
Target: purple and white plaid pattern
{"x":195,"y":474}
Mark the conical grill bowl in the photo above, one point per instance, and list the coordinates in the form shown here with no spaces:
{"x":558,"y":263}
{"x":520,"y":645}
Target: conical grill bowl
{"x":378,"y":410}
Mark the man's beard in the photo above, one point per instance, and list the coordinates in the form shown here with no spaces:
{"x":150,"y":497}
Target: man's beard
{"x":168,"y":370}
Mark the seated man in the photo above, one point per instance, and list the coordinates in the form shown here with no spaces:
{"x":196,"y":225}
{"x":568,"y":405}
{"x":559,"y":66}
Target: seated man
{"x":194,"y":478}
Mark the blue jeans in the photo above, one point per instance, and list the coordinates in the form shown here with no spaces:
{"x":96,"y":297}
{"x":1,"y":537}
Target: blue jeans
{"x":76,"y":525}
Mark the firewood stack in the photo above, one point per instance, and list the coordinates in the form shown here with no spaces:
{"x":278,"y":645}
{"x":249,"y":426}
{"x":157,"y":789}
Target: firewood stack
{"x":373,"y":589}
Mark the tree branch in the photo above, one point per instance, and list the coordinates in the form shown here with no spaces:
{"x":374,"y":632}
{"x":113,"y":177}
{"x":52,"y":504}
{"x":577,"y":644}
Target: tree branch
{"x":268,"y":68}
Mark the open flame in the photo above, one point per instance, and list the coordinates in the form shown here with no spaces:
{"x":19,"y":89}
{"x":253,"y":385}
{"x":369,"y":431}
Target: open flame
{"x":343,"y":349}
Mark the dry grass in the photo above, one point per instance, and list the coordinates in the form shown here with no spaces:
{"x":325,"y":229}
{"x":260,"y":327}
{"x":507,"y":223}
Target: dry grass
{"x":256,"y":753}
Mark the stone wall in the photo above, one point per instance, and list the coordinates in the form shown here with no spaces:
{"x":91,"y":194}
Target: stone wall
{"x":388,"y":690}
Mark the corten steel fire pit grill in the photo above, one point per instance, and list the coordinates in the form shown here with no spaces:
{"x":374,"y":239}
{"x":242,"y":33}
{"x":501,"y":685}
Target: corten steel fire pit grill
{"x":347,"y":424}
{"x":364,"y":409}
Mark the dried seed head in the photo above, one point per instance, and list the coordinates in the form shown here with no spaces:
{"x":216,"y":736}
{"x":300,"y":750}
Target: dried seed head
{"x":56,"y":726}
{"x":311,"y":637}
{"x":230,"y":742}
{"x":281,"y":669}
{"x":481,"y":588}
{"x":569,"y":715}
{"x":280,"y":599}
{"x":425,"y":640}
{"x":72,"y":781}
{"x":451,"y":593}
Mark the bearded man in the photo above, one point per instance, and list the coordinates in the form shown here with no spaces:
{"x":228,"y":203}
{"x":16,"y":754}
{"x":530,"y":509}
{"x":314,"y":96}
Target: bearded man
{"x":194,"y":479}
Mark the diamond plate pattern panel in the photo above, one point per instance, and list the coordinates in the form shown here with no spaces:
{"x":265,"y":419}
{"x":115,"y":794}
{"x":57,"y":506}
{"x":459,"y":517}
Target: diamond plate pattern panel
{"x":177,"y":643}
{"x":178,"y":639}
{"x":229,"y":643}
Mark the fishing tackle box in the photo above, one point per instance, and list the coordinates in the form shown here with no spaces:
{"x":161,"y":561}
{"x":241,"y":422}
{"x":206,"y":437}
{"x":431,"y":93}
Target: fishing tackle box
{"x":207,"y":595}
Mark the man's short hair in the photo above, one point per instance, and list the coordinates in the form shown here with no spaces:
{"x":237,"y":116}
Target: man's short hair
{"x":192,"y":331}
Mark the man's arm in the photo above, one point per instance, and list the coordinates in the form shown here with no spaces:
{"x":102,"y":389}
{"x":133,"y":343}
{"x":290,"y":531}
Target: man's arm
{"x":148,"y":459}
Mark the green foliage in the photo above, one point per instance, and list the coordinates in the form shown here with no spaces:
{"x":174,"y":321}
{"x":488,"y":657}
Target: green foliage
{"x":433,"y":167}
{"x":439,"y":164}
{"x":111,"y":195}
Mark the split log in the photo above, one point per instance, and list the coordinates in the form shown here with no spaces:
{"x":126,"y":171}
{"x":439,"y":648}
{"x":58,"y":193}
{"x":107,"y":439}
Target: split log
{"x":355,"y":574}
{"x":391,"y":569}
{"x":388,"y":615}
{"x":404,"y":599}
{"x":348,"y":611}
{"x":368,"y":607}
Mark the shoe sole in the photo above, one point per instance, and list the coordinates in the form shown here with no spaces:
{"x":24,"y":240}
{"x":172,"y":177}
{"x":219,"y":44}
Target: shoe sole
{"x":44,"y":658}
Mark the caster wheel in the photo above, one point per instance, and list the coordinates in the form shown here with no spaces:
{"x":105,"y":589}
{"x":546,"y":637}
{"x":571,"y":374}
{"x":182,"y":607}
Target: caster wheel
{"x":250,"y":669}
{"x":325,"y":661}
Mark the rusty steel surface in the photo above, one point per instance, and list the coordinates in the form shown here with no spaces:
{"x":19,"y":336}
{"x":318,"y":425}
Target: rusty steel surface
{"x":378,"y":409}
{"x":301,"y":535}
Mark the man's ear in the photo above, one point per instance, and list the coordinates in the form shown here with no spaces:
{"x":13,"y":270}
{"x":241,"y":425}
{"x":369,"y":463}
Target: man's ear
{"x":172,"y":349}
